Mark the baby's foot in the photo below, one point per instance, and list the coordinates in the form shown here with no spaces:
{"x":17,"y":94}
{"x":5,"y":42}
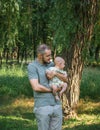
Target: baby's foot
{"x":57,"y":98}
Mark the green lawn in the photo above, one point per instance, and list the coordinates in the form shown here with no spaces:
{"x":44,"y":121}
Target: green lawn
{"x":16,"y":102}
{"x":16,"y":114}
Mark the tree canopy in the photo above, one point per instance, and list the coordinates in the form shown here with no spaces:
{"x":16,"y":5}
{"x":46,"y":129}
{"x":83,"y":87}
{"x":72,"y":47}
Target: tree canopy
{"x":27,"y":23}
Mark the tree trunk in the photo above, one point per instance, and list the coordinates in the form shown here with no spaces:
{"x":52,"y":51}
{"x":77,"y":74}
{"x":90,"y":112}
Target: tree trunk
{"x":75,"y":60}
{"x":97,"y":50}
{"x":18,"y":53}
{"x":0,"y":59}
{"x":25,"y":55}
{"x":75,"y":68}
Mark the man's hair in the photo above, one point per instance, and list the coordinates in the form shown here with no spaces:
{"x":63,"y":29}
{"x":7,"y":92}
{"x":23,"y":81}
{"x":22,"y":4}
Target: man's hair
{"x":41,"y":48}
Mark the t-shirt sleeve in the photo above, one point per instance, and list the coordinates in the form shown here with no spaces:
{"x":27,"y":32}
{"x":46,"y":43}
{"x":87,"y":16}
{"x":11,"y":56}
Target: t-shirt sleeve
{"x":32,"y":72}
{"x":50,"y":69}
{"x":51,"y":64}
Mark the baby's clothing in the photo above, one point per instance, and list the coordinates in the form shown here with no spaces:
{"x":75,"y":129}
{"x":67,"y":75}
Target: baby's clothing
{"x":55,"y":80}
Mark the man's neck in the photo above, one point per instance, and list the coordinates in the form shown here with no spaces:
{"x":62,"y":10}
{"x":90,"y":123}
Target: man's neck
{"x":40,"y":61}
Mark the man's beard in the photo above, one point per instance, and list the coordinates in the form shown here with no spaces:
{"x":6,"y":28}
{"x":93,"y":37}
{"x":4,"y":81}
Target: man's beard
{"x":45,"y":62}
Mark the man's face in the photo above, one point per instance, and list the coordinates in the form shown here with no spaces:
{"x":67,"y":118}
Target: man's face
{"x":46,"y":57}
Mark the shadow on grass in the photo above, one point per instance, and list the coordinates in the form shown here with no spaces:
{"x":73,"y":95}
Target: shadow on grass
{"x":26,"y":122}
{"x":29,"y":116}
{"x":85,"y":127}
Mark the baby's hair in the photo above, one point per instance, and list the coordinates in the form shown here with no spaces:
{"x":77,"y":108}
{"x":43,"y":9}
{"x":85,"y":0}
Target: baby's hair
{"x":58,"y":60}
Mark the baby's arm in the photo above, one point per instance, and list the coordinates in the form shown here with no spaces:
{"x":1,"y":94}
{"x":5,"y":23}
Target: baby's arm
{"x":50,"y":74}
{"x":61,"y":76}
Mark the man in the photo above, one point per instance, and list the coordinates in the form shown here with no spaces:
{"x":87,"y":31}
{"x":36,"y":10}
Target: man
{"x":48,"y":112}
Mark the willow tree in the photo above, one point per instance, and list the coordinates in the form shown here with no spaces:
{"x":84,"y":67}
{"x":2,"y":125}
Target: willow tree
{"x":9,"y":14}
{"x":74,"y":23}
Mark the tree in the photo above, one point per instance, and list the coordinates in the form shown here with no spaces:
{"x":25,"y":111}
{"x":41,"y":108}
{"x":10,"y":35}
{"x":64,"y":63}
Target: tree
{"x":9,"y":14}
{"x":74,"y":24}
{"x":24,"y":25}
{"x":67,"y":26}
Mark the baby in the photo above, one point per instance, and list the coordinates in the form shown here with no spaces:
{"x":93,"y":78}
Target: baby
{"x":55,"y":81}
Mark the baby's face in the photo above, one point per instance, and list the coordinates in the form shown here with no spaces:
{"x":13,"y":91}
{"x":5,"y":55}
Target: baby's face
{"x":62,"y":64}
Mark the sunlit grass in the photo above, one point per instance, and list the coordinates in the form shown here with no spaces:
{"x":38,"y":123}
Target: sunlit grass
{"x":18,"y":105}
{"x":88,"y":107}
{"x":13,"y":71}
{"x":16,"y":101}
{"x":83,"y":120}
{"x":88,"y":117}
{"x":18,"y":114}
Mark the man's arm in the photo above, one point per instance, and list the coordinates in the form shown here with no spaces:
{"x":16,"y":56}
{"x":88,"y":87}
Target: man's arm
{"x":38,"y":87}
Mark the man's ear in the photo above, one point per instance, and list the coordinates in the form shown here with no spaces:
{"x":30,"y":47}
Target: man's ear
{"x":40,"y":56}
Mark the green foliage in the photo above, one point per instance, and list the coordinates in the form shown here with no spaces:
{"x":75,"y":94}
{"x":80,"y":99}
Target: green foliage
{"x":14,"y":82}
{"x":90,"y":84}
{"x":25,"y":24}
{"x":71,"y":21}
{"x":9,"y":14}
{"x":63,"y":24}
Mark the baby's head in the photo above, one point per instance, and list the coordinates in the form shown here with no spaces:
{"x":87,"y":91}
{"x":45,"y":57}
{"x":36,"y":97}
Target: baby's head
{"x":59,"y":62}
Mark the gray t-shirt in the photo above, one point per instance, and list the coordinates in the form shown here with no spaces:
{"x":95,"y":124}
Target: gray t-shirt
{"x":38,"y":71}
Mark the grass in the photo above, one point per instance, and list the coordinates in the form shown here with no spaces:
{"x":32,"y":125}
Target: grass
{"x":17,"y":114}
{"x":16,"y":102}
{"x":88,"y":116}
